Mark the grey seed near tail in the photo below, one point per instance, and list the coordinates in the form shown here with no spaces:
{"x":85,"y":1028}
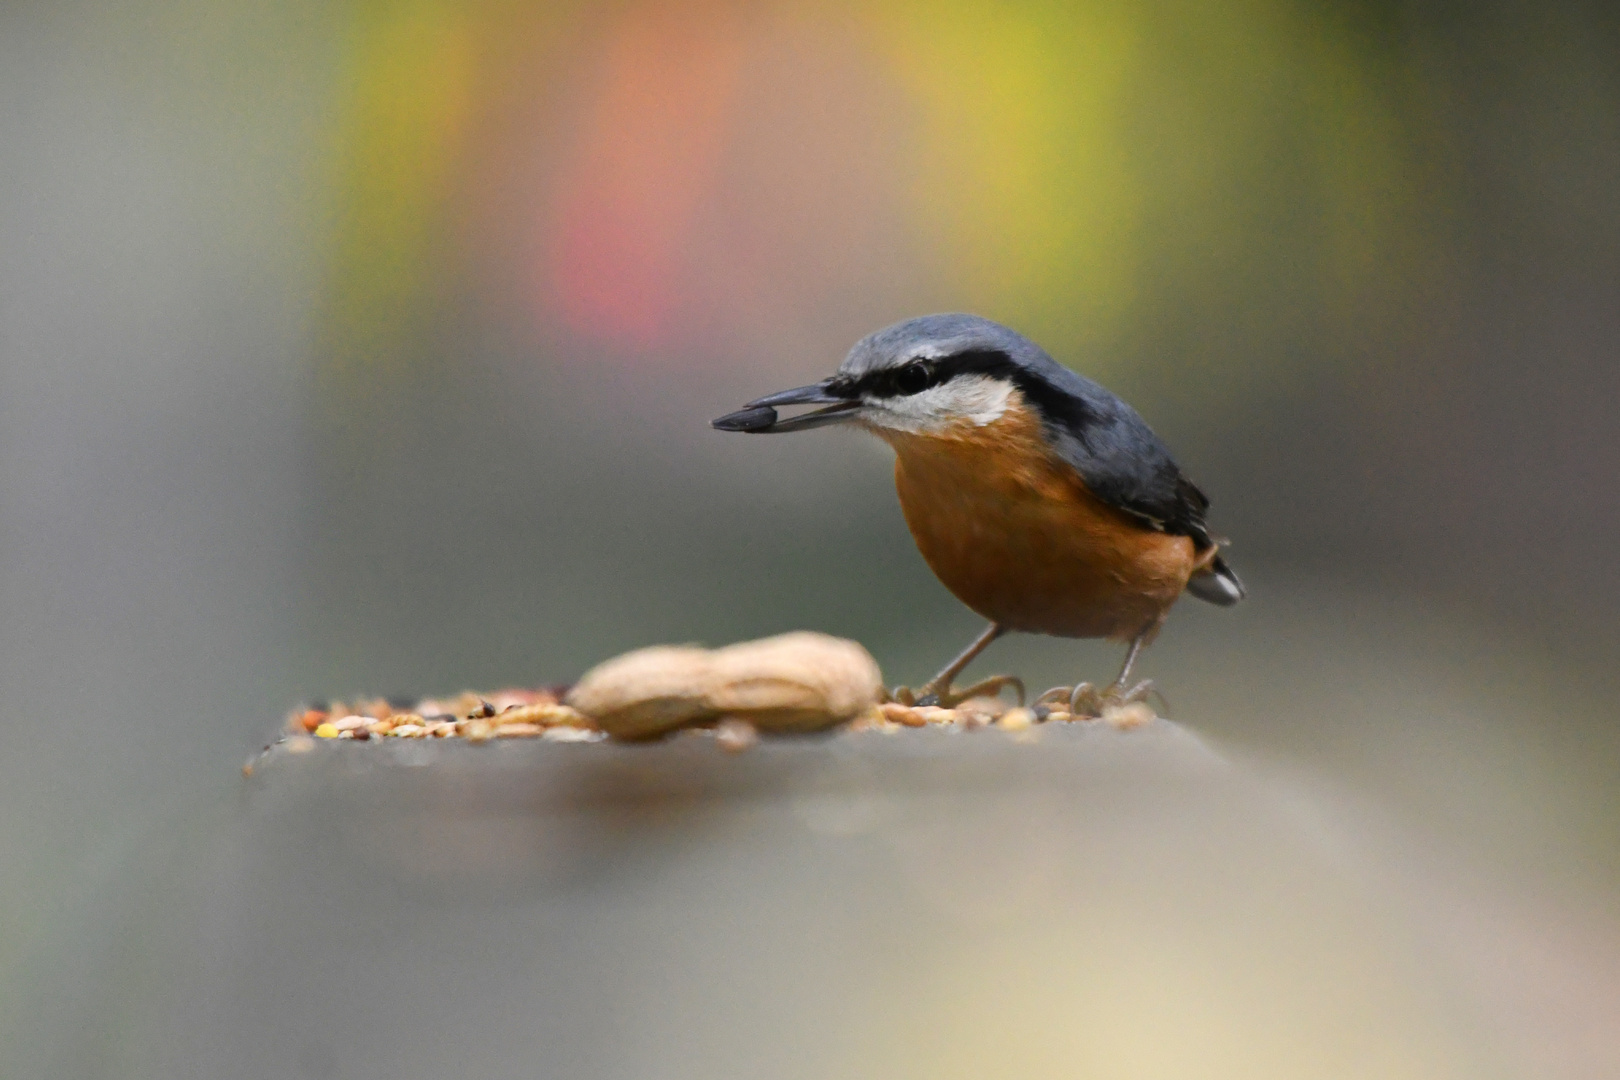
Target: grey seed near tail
{"x":1218,"y":585}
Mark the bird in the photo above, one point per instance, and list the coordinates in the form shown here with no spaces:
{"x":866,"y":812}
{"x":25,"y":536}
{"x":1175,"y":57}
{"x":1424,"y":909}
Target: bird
{"x":1041,"y":500}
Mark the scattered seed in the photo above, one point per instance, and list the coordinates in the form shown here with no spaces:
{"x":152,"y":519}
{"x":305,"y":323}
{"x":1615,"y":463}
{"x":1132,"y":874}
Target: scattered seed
{"x":546,"y":714}
{"x":464,"y":704}
{"x":780,"y":684}
{"x":517,"y":697}
{"x":870,"y":720}
{"x":984,"y":708}
{"x":735,"y":735}
{"x":572,"y":734}
{"x":1125,"y":717}
{"x":1017,"y":719}
{"x":896,"y":713}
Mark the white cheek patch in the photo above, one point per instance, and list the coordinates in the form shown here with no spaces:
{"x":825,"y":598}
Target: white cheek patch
{"x":970,"y":399}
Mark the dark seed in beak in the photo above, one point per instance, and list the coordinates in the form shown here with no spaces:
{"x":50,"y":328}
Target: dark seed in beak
{"x":757,"y":418}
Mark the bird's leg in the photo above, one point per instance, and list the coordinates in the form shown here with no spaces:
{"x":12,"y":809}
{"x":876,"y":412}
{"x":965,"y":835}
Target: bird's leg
{"x":939,"y":691}
{"x":1116,"y":694}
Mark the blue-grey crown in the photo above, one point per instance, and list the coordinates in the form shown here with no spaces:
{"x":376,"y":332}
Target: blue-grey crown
{"x":935,"y":336}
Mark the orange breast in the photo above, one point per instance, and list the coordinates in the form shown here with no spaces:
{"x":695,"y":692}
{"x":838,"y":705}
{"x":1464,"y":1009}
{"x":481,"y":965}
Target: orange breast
{"x":1017,"y":536}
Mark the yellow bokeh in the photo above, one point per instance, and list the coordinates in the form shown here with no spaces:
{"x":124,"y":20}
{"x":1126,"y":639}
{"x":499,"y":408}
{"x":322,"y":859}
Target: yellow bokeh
{"x":405,"y":100}
{"x":1024,"y":180}
{"x":1073,"y":157}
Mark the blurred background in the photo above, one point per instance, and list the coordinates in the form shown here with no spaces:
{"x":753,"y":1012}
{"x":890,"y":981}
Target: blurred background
{"x":371,"y":346}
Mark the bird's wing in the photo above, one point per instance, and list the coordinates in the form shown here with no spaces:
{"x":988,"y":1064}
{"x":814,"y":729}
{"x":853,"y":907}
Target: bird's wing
{"x":1118,"y":456}
{"x":1150,"y":488}
{"x":1126,"y":466}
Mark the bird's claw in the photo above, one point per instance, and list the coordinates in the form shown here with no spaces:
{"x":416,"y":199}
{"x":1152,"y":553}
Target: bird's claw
{"x":1142,"y":691}
{"x":949,"y":697}
{"x":1088,"y":701}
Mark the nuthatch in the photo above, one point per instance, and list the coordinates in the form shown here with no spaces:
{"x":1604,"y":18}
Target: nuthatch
{"x":1041,"y":500}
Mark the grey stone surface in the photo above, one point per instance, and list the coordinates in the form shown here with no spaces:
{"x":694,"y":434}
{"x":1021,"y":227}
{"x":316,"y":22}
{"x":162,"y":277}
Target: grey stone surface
{"x":933,"y":903}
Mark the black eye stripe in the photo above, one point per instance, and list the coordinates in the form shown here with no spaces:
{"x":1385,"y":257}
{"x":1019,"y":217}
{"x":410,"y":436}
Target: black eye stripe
{"x":923,"y":373}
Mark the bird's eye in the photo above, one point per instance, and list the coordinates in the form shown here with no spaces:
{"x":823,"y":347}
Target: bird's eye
{"x":914,"y":378}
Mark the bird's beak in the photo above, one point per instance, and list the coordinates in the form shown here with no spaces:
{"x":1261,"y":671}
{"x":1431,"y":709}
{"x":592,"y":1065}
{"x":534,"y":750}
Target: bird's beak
{"x":760,"y":416}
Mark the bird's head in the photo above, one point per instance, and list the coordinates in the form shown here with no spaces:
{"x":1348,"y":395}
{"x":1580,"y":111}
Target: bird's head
{"x":923,"y":376}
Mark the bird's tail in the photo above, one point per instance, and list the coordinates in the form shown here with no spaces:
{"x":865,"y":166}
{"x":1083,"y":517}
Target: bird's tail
{"x":1217,"y":584}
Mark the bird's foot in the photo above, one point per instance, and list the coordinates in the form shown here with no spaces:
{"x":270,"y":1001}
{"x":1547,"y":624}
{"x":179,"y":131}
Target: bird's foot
{"x":1142,"y":691}
{"x":1087,"y":700}
{"x":949,"y":697}
{"x":1082,"y":700}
